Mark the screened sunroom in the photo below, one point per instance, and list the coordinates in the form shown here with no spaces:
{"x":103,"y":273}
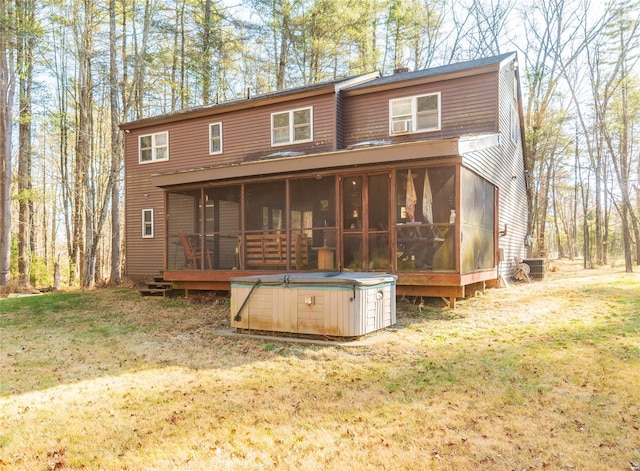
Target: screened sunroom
{"x":411,"y":220}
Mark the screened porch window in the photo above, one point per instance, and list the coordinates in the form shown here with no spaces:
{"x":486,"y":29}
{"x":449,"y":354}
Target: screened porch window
{"x":267,"y":242}
{"x":404,"y":220}
{"x":313,"y":223}
{"x":203,"y":228}
{"x":478,"y":222}
{"x":426,"y":219}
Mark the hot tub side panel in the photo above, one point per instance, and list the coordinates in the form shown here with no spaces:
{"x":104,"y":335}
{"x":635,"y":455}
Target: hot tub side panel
{"x":374,"y":311}
{"x":259,"y":311}
{"x":326,"y":313}
{"x":319,"y":311}
{"x":316,"y":310}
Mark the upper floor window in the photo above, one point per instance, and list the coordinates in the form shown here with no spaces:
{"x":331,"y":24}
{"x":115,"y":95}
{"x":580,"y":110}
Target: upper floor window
{"x":147,"y":223}
{"x":215,"y":138}
{"x":154,"y":147}
{"x":414,"y":114}
{"x":292,"y":126}
{"x":515,"y":124}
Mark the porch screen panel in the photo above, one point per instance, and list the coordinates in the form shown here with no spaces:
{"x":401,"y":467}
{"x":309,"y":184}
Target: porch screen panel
{"x":352,"y":223}
{"x":378,"y":230}
{"x":425,"y":219}
{"x":182,"y":228}
{"x":313,"y":223}
{"x":222,"y":226}
{"x":477,"y":248}
{"x":264,"y":243}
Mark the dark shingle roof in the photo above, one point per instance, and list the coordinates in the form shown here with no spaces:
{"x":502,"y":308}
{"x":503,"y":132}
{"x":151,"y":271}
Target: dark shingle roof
{"x":362,"y":82}
{"x":252,"y":99}
{"x":433,"y":71}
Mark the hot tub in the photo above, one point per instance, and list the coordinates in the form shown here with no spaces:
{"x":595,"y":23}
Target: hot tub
{"x":344,"y":304}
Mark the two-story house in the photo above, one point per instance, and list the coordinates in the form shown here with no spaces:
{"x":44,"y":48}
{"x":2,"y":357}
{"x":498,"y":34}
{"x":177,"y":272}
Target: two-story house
{"x":420,"y":174}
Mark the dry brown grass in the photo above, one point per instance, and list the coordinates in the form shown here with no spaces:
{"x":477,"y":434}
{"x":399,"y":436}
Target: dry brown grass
{"x":537,"y":376}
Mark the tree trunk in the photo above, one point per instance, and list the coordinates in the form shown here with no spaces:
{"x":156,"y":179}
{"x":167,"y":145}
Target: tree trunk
{"x":598,"y":203}
{"x":116,"y":147}
{"x":26,"y":39}
{"x":207,"y":47}
{"x":84,"y":217}
{"x":555,"y":215}
{"x":139,"y":66}
{"x":7,"y":77}
{"x":176,"y":92}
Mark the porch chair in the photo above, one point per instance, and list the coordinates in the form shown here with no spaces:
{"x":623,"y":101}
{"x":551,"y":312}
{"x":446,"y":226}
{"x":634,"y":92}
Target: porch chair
{"x":193,"y":254}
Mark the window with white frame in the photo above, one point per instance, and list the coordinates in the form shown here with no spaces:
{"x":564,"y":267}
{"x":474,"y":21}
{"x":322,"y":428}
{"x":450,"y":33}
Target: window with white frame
{"x":154,"y":147}
{"x":414,"y":114}
{"x":515,"y":124}
{"x":147,"y":223}
{"x":215,"y":138}
{"x":292,"y":126}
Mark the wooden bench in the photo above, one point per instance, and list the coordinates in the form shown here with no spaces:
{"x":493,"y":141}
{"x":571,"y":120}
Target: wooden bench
{"x":270,"y":250}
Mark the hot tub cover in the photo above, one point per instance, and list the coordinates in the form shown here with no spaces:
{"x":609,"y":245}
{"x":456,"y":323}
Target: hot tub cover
{"x":349,"y":279}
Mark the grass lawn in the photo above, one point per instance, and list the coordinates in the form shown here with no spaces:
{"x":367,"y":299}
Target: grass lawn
{"x":538,"y":376}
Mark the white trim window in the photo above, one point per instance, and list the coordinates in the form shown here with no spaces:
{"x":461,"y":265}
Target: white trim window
{"x":153,"y":147}
{"x":293,"y":126}
{"x":215,"y":138}
{"x":147,"y":223}
{"x":414,"y":114}
{"x":515,"y":124}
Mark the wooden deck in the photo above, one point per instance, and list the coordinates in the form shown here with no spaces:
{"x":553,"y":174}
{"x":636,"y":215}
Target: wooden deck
{"x":449,"y":286}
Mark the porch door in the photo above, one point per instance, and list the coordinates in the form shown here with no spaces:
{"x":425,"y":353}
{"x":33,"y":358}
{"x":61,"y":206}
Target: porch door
{"x":365,"y":222}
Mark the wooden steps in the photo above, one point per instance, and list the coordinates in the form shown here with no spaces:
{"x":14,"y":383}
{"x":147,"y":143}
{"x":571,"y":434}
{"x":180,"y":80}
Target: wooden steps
{"x":157,"y":287}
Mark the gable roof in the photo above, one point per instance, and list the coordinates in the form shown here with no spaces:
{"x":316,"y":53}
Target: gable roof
{"x":252,"y":101}
{"x":444,"y":72}
{"x":354,"y":85}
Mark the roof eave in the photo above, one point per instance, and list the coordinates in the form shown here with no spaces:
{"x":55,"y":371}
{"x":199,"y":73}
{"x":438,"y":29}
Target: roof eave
{"x":428,"y":149}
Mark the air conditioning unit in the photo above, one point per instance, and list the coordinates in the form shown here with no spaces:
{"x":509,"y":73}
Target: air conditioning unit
{"x":403,"y":125}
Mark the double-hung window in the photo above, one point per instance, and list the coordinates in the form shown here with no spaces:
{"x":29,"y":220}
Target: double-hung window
{"x":292,"y":126}
{"x":215,"y":138}
{"x":147,"y":223}
{"x":414,"y":114}
{"x":515,"y":124}
{"x":154,"y":147}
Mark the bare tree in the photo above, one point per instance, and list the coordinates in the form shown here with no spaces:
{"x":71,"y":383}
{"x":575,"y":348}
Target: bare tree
{"x":605,"y":49}
{"x":615,"y":127}
{"x":7,"y":82}
{"x":547,"y":28}
{"x":490,"y":21}
{"x":414,"y":31}
{"x":116,"y":146}
{"x":25,"y":14}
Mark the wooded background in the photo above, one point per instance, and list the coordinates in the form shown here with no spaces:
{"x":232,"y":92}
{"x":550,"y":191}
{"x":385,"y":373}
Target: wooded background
{"x":72,"y":70}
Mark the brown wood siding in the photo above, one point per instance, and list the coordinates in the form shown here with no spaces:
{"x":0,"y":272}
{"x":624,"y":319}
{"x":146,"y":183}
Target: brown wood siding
{"x":469,"y":105}
{"x":499,"y":165}
{"x":474,"y":104}
{"x":339,"y":117}
{"x":144,"y":256}
{"x":246,"y":136}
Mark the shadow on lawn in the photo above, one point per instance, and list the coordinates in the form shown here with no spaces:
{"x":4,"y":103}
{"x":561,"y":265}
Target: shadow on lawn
{"x":64,"y":338}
